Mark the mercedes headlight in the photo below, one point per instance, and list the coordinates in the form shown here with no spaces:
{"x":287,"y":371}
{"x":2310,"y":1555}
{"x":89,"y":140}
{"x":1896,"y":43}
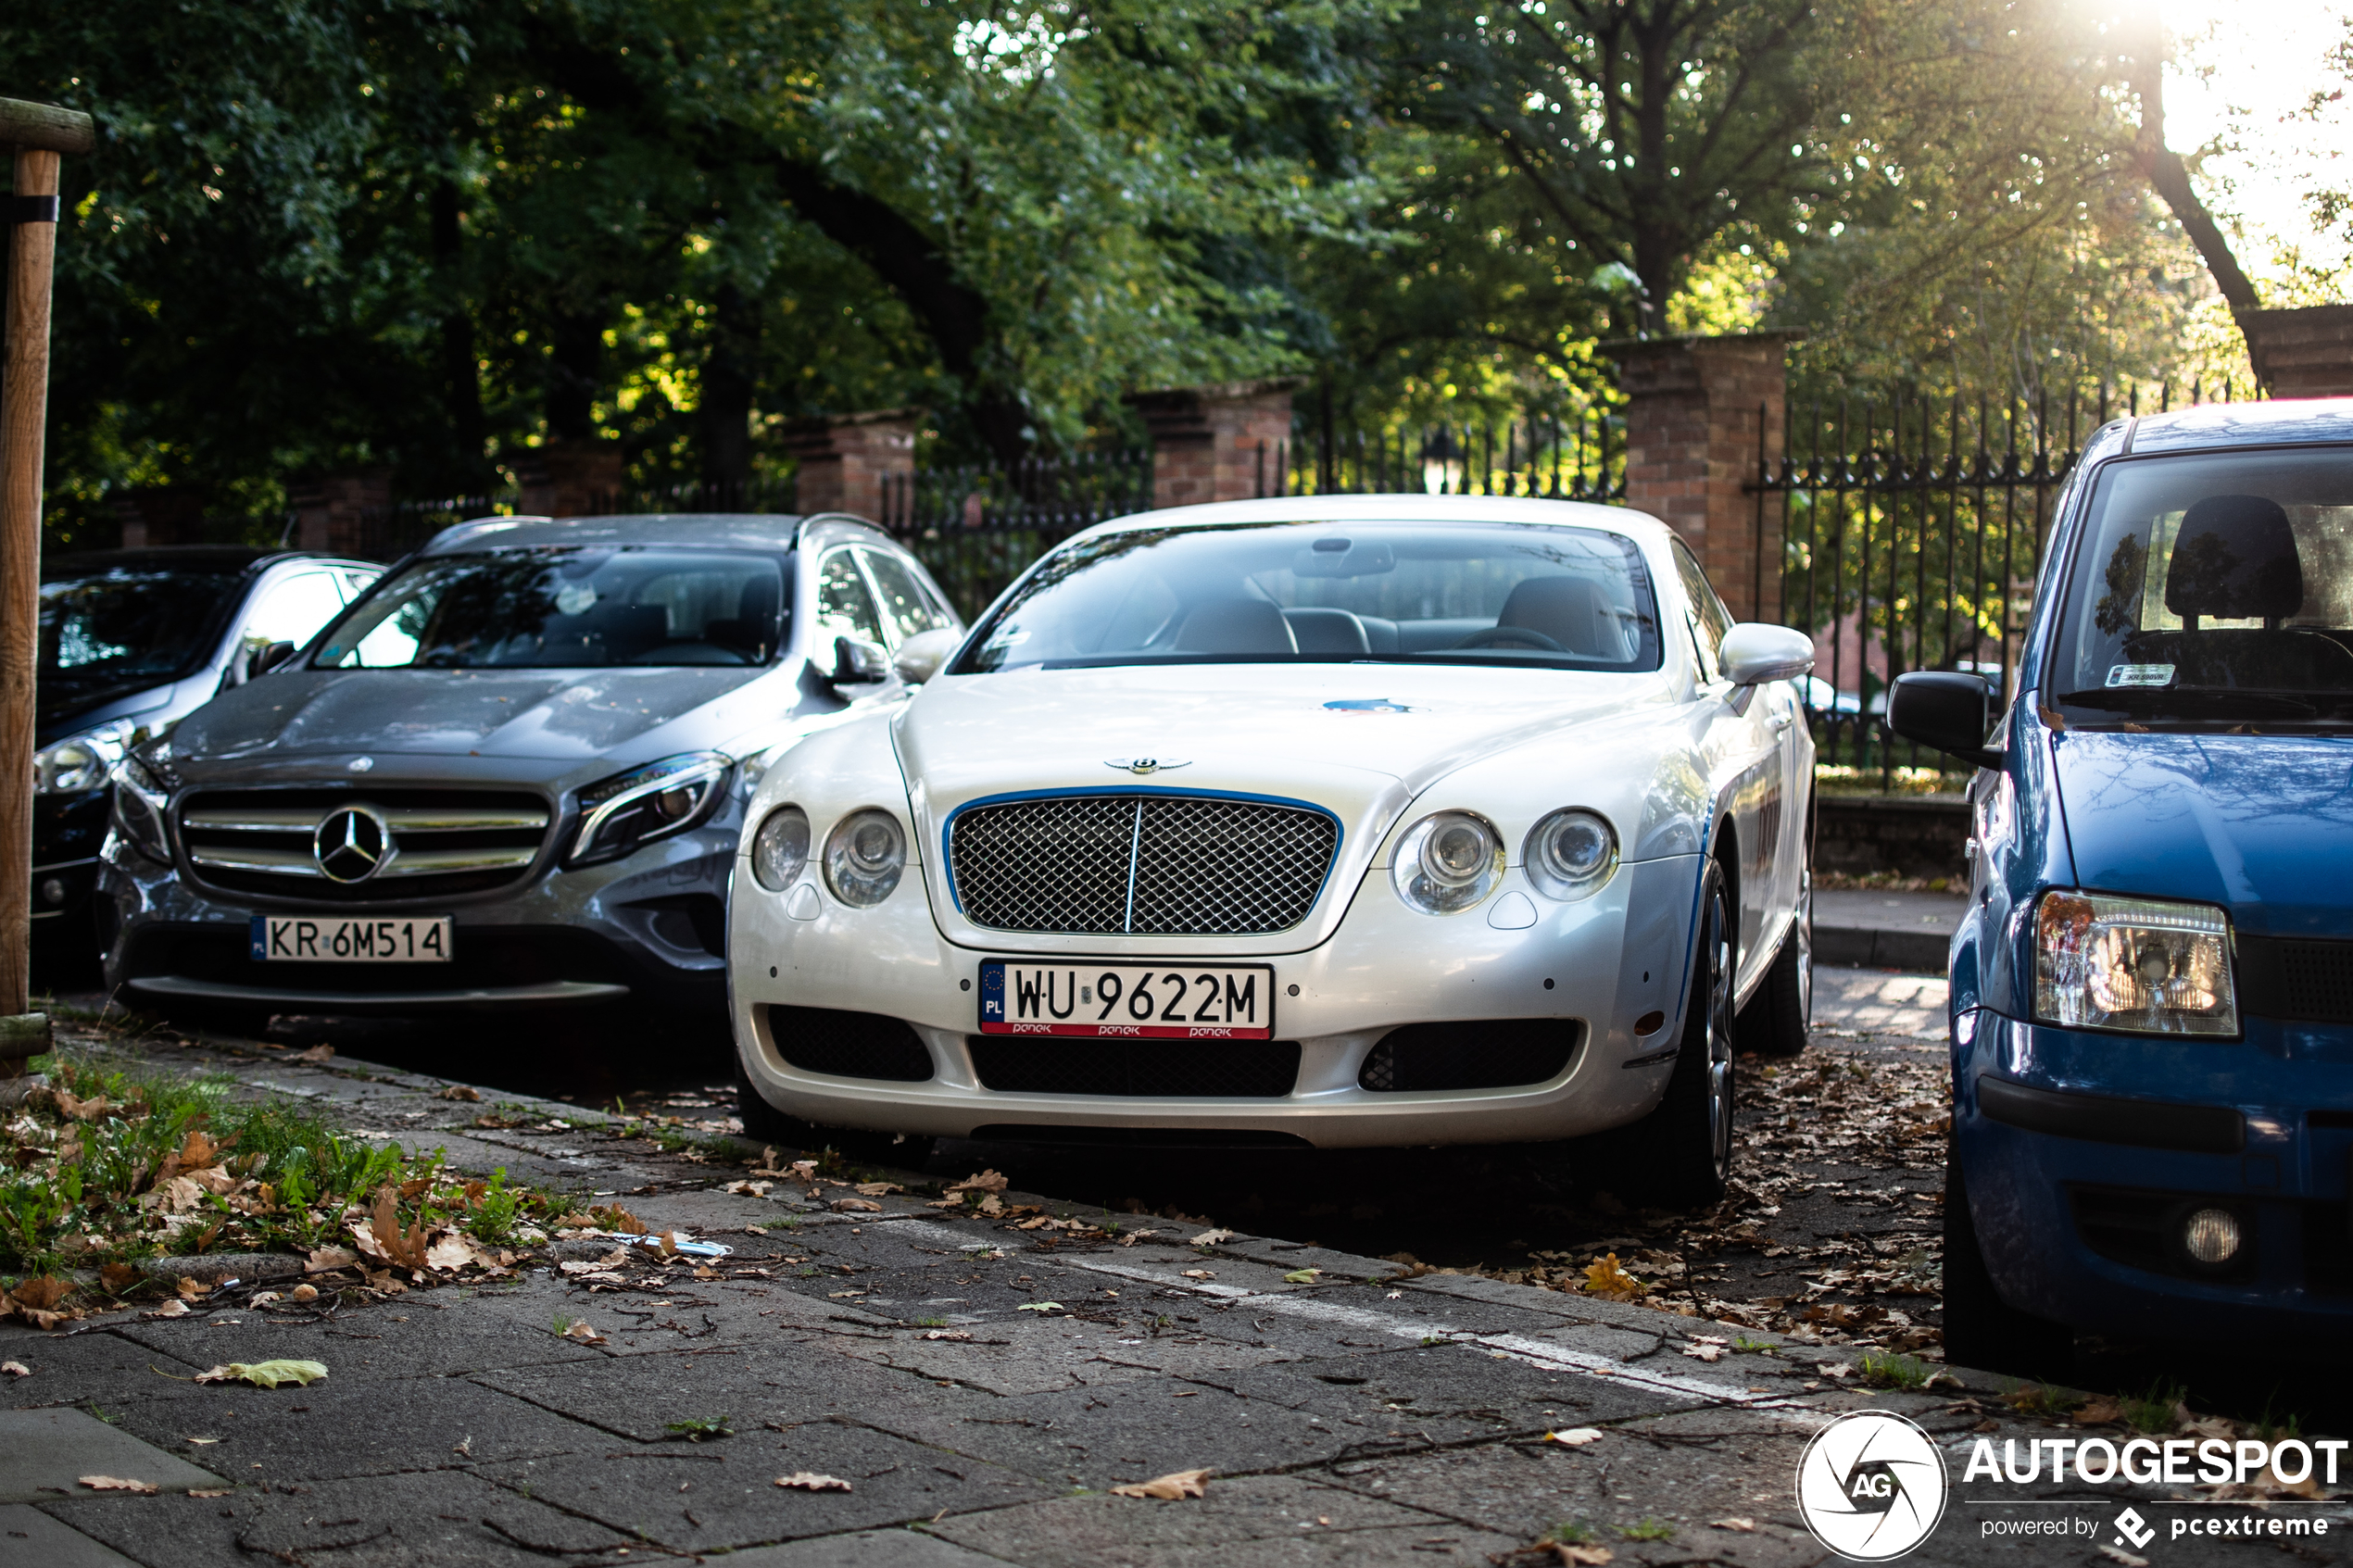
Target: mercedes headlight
{"x":139,"y":802}
{"x":1447,"y":862}
{"x":2146,"y":965}
{"x":780,"y":848}
{"x":1570,"y":853}
{"x":80,"y":763}
{"x":671,"y":795}
{"x":864,"y":855}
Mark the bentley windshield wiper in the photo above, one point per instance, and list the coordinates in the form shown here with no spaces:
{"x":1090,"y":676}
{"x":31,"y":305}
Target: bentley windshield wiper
{"x":2199,"y":702}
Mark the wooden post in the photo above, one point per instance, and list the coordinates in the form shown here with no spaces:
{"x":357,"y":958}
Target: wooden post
{"x":40,"y":132}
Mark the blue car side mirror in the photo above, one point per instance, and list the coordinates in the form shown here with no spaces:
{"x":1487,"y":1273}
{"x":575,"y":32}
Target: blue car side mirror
{"x":1946,"y":709}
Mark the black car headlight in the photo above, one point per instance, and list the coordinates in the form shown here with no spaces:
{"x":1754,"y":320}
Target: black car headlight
{"x":2147,"y":966}
{"x":139,"y":800}
{"x":671,"y":795}
{"x":79,"y":764}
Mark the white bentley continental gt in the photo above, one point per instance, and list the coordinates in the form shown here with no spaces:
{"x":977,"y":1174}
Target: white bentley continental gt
{"x":1330,"y":821}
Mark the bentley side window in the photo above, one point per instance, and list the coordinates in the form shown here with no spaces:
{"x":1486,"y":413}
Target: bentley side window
{"x":1709,"y":619}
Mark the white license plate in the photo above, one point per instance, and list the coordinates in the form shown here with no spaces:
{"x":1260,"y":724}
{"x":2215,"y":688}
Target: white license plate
{"x":337,"y":939}
{"x":1163,"y":1001}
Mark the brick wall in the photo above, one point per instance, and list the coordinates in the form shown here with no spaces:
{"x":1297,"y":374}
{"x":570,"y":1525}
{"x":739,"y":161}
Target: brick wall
{"x":2302,"y":352}
{"x":568,"y":479}
{"x":1223,"y":441}
{"x":1691,"y":448}
{"x":328,"y":512}
{"x":847,"y":460}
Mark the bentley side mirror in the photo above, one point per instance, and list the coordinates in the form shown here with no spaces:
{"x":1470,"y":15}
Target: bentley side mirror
{"x":1946,"y":709}
{"x":921,"y":656}
{"x":857,"y":663}
{"x":1755,"y":651}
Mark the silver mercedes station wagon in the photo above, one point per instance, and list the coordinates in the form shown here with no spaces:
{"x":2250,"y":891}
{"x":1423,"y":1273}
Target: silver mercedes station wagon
{"x":512,"y":774}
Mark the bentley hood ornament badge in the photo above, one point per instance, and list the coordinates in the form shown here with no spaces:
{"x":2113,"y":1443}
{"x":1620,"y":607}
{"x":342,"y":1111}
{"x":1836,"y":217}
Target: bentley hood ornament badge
{"x":1142,"y":765}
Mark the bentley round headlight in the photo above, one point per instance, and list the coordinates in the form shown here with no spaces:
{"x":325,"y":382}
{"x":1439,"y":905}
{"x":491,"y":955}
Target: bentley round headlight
{"x":1447,"y":862}
{"x":780,"y":848}
{"x":1570,"y":853}
{"x":864,"y":855}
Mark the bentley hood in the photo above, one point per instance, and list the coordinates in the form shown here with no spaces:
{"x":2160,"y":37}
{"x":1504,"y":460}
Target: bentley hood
{"x":540,"y":715}
{"x":1359,"y":740}
{"x":2262,"y":824}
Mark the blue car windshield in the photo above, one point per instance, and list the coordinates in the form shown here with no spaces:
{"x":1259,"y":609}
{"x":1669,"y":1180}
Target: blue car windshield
{"x":2214,"y":588}
{"x":1311,"y":591}
{"x":566,"y":607}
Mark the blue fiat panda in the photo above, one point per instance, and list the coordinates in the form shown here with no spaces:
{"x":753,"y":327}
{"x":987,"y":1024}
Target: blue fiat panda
{"x":2152,"y":991}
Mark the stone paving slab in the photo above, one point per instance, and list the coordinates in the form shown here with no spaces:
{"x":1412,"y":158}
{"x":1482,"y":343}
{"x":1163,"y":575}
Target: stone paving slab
{"x":101,"y":1368}
{"x":439,"y":1519}
{"x":720,"y":1495}
{"x":44,"y":1453}
{"x":639,"y":1396}
{"x":420,"y":1336}
{"x":1261,"y":1521}
{"x":866,"y":1548}
{"x":28,"y":1536}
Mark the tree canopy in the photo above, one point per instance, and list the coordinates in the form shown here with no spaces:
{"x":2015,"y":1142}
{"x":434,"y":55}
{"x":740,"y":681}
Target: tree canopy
{"x":427,"y":235}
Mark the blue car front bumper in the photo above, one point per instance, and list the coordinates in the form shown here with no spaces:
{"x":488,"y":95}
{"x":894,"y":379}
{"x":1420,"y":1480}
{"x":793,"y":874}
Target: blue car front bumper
{"x":2084,"y":1153}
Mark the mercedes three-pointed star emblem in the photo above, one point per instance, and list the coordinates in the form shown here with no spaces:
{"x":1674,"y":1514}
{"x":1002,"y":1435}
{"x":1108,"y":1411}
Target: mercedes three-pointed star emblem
{"x":352,"y":844}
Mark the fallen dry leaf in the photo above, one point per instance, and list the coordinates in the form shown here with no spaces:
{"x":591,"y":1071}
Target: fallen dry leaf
{"x":327,"y":1259}
{"x":42,"y":1292}
{"x":1606,"y":1278}
{"x":2098,"y":1411}
{"x":583,"y":1333}
{"x":983,"y":1181}
{"x":175,"y":1308}
{"x":1040,"y":1306}
{"x":1301,"y":1276}
{"x":2118,"y":1554}
{"x":1210,"y":1238}
{"x":1837,"y":1369}
{"x":1200,"y":1273}
{"x":16,"y":1369}
{"x":118,"y":1277}
{"x":1574,"y":1437}
{"x":117,"y":1484}
{"x":928,"y":1334}
{"x":265,"y":1375}
{"x":877,"y":1189}
{"x":810,"y":1481}
{"x":265,"y":1299}
{"x":461,"y":1091}
{"x":1583,"y":1556}
{"x":856,"y":1206}
{"x":316,"y":1053}
{"x":1700,"y":1350}
{"x":214,"y":1492}
{"x":1746,"y":1526}
{"x":1176,"y":1484}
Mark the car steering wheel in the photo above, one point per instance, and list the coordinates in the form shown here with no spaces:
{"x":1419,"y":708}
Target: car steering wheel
{"x":1494,"y":634}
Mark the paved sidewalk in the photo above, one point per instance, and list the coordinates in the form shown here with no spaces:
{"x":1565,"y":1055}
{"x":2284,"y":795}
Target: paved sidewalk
{"x":979,"y":1383}
{"x":1887,"y":930}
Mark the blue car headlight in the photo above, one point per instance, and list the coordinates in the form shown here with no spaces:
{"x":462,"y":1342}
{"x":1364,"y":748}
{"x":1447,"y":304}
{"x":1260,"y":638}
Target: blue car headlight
{"x":2145,"y":966}
{"x":628,"y":810}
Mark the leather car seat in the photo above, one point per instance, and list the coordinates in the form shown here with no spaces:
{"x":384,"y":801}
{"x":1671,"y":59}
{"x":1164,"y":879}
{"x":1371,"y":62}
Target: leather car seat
{"x":1235,"y":625}
{"x":1570,"y":610}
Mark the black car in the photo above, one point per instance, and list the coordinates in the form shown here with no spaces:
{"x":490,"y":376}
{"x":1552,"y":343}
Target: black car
{"x":132,"y":642}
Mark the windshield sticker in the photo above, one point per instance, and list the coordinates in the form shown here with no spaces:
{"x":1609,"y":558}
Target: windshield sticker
{"x":1369,"y":705}
{"x":2140,"y":675}
{"x":576,"y":599}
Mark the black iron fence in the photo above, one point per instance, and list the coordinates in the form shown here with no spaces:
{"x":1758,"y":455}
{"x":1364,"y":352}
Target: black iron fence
{"x":978,"y":528}
{"x":1912,"y":531}
{"x":1573,"y":456}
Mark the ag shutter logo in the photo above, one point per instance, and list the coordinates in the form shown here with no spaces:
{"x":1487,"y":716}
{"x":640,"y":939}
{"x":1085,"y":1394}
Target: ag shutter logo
{"x":1871,"y":1486}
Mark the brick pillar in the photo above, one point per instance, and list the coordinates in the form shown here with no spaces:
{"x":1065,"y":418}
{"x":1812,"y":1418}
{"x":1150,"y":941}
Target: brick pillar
{"x":849,"y":461}
{"x":2304,"y":352}
{"x":330,"y":513}
{"x":160,"y":514}
{"x":569,"y":478}
{"x":1691,"y":446}
{"x":1217,"y":443}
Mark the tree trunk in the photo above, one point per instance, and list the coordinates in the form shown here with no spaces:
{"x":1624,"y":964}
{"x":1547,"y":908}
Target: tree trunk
{"x":574,"y":364}
{"x":2163,"y":168}
{"x":724,"y":414}
{"x":461,"y":362}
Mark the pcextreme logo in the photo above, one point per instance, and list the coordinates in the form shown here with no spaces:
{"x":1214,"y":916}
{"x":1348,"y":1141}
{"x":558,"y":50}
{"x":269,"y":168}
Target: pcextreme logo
{"x":1871,"y":1486}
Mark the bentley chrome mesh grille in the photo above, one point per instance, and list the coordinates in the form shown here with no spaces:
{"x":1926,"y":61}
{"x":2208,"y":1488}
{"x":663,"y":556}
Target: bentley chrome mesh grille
{"x":1145,"y":865}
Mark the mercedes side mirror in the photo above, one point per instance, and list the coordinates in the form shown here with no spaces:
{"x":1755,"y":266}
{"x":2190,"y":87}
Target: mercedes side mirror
{"x":1757,"y":651}
{"x":859,"y":663}
{"x":1946,"y":709}
{"x":266,"y":660}
{"x":921,"y":656}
